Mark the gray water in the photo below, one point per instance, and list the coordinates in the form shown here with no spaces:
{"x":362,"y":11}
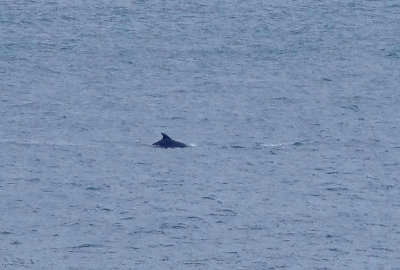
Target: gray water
{"x":290,"y":108}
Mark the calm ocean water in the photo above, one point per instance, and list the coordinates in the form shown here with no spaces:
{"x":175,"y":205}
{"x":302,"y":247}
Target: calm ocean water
{"x":291,"y":109}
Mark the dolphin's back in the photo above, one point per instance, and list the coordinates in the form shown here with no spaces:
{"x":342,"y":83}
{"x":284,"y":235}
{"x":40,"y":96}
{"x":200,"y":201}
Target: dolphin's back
{"x":167,"y":142}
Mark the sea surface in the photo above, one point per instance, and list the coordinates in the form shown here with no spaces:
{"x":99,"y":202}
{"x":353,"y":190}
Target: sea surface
{"x":291,"y":110}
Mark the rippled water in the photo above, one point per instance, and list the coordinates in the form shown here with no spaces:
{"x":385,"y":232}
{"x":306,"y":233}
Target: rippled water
{"x":291,"y":108}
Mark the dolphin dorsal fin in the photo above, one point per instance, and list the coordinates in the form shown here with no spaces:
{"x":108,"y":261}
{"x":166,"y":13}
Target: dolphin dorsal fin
{"x":165,"y":136}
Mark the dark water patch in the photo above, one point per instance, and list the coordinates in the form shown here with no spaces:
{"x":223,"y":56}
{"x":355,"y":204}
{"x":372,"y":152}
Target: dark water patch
{"x":387,"y":187}
{"x":354,"y":108}
{"x":395,"y":55}
{"x":194,"y":217}
{"x":332,"y":172}
{"x":177,"y":118}
{"x":210,"y":197}
{"x":336,"y":189}
{"x":285,"y":100}
{"x":231,"y":252}
{"x":237,"y":147}
{"x":127,"y":218}
{"x":382,"y":249}
{"x":195,"y":263}
{"x":338,"y":238}
{"x":356,"y":197}
{"x":315,"y":195}
{"x":376,"y":225}
{"x":176,"y":226}
{"x":132,"y":248}
{"x":83,"y":246}
{"x":391,"y":164}
{"x":252,"y":228}
{"x":6,"y":233}
{"x":104,"y":209}
{"x":166,"y":245}
{"x":93,"y":188}
{"x":225,"y":212}
{"x":33,"y":180}
{"x":142,"y":230}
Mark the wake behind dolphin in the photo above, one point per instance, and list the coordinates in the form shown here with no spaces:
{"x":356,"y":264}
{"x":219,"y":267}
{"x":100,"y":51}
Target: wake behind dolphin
{"x":167,"y":142}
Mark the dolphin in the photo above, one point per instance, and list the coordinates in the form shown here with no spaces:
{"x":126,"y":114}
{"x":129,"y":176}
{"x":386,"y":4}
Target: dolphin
{"x":167,"y":142}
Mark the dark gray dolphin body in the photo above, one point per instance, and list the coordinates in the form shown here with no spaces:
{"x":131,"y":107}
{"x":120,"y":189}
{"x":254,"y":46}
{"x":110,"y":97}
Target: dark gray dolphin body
{"x":167,"y":142}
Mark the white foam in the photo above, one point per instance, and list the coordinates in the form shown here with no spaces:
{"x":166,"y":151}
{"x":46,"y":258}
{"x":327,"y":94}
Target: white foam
{"x":35,"y":143}
{"x":274,"y":144}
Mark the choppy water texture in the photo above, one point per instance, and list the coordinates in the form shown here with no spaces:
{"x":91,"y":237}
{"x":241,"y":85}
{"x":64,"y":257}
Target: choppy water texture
{"x":293,"y":108}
